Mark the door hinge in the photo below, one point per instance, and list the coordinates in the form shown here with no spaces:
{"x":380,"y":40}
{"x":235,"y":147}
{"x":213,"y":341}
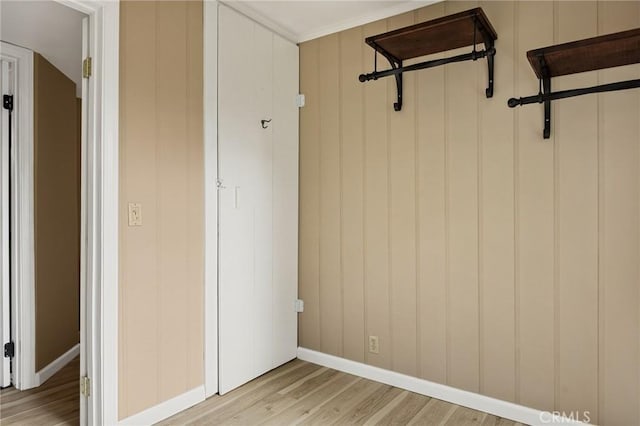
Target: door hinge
{"x":299,"y":305}
{"x":9,"y":350}
{"x":85,"y":386}
{"x":86,"y":67}
{"x":300,"y":100}
{"x":7,"y":102}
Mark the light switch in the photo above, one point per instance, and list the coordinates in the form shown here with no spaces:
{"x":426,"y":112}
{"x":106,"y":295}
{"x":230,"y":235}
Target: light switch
{"x":135,"y":214}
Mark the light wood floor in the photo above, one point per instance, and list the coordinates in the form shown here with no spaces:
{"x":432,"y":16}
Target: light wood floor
{"x":304,"y":393}
{"x":296,"y":393}
{"x":56,"y":402}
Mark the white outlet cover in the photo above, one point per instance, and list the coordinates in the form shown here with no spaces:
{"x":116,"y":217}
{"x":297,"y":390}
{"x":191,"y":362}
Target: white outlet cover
{"x":374,"y":344}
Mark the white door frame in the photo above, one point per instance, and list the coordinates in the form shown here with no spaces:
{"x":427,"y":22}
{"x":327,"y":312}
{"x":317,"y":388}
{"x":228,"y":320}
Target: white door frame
{"x":22,"y":262}
{"x":99,"y":245}
{"x":210,"y":81}
{"x":8,"y":84}
{"x":5,"y":334}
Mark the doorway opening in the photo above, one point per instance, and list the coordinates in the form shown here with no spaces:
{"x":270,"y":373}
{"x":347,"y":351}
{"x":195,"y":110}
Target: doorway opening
{"x":43,"y":212}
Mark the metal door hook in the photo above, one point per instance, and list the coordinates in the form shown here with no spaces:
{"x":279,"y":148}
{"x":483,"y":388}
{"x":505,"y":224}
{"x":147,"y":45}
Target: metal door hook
{"x":265,"y":123}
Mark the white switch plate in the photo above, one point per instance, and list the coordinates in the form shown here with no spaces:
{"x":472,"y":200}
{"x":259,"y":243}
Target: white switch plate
{"x":135,"y":214}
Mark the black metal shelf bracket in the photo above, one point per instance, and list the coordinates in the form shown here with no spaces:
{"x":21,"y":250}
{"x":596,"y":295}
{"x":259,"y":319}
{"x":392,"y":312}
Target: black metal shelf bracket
{"x":397,"y":68}
{"x":546,"y":96}
{"x":544,"y":90}
{"x":490,"y":53}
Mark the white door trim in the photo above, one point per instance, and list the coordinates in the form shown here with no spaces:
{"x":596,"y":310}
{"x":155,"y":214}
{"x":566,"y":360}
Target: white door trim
{"x":210,"y":82}
{"x":84,"y":126}
{"x":100,"y":272}
{"x":22,"y":263}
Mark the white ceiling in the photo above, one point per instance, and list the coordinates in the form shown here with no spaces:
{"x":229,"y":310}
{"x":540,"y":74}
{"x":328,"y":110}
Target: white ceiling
{"x":302,"y":20}
{"x":46,"y":27}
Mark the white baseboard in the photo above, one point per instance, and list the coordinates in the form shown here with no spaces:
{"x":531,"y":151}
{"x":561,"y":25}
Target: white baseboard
{"x":166,"y":409}
{"x":464,"y":398}
{"x":51,"y":369}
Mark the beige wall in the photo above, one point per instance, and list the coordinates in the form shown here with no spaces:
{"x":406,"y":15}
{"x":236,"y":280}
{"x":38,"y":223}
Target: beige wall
{"x":161,"y":167}
{"x":56,"y":212}
{"x":483,"y":256}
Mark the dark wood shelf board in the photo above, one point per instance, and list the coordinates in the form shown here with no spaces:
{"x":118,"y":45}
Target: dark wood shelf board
{"x":607,"y":51}
{"x":438,"y":35}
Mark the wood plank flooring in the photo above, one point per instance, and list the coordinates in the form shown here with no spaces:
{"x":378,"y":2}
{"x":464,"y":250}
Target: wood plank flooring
{"x":298,"y":393}
{"x":301,"y":393}
{"x":56,"y":402}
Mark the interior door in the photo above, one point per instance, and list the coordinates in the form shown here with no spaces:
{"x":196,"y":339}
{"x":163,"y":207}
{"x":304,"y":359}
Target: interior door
{"x":5,"y":315}
{"x":258,"y":182}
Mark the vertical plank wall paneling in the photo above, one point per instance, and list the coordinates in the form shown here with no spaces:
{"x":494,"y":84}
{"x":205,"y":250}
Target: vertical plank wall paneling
{"x":136,"y":74}
{"x":161,"y":167}
{"x":331,"y":293}
{"x":376,"y":209}
{"x":576,"y":236}
{"x":461,"y":144}
{"x":194,"y":140}
{"x":431,"y":217}
{"x":496,"y":219}
{"x":534,"y":216}
{"x":402,"y":222}
{"x":619,"y":250}
{"x":481,"y":255}
{"x":352,"y":195}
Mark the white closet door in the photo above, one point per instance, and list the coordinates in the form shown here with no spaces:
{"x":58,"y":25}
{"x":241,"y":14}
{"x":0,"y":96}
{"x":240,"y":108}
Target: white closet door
{"x":257,"y":80}
{"x":236,"y":168}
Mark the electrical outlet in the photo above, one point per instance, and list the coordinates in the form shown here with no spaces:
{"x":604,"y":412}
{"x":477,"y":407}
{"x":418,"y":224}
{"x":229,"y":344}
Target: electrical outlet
{"x":374,"y":346}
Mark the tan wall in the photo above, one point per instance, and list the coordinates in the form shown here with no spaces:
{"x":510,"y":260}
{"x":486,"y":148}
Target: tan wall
{"x":57,"y":212}
{"x":483,"y":256}
{"x":161,"y":167}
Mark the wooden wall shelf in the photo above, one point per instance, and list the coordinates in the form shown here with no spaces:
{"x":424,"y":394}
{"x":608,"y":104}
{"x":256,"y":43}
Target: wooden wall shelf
{"x":462,"y":29}
{"x":607,"y":51}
